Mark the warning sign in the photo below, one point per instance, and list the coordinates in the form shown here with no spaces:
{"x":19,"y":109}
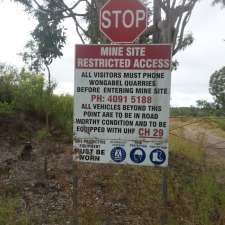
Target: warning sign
{"x":121,"y":152}
{"x":122,"y":93}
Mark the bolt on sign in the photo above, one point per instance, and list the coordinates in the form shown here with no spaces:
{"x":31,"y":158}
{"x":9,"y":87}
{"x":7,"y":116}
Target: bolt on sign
{"x":122,"y":95}
{"x":123,"y":21}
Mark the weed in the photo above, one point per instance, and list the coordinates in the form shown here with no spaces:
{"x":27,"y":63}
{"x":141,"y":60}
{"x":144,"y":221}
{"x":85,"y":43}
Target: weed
{"x":10,"y":212}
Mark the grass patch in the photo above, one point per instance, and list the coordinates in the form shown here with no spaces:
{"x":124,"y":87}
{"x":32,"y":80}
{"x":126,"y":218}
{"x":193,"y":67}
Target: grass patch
{"x":6,"y":109}
{"x":220,"y":122}
{"x":186,"y":149}
{"x":11,"y":212}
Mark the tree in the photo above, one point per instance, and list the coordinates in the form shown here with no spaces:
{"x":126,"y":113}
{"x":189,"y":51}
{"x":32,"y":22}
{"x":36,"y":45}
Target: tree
{"x":170,"y":18}
{"x":217,"y":88}
{"x":8,"y":82}
{"x":169,"y":21}
{"x":48,"y":39}
{"x":219,"y":1}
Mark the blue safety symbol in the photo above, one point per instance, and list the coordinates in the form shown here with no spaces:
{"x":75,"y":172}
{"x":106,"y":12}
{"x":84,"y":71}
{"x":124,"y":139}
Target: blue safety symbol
{"x":158,"y":156}
{"x":118,"y":154}
{"x":137,"y":155}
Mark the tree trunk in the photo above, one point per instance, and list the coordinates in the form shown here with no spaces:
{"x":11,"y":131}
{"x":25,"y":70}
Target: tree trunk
{"x":156,"y":20}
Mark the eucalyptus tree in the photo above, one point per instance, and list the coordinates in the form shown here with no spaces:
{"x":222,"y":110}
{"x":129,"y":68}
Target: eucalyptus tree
{"x":170,"y":18}
{"x":219,"y":1}
{"x":217,"y":88}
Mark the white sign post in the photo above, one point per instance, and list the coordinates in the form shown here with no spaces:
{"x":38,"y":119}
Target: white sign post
{"x":122,"y":95}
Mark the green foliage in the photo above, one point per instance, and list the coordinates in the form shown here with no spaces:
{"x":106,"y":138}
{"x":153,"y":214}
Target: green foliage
{"x":30,"y":94}
{"x":209,"y":199}
{"x":48,"y":37}
{"x":186,"y":41}
{"x":11,"y":213}
{"x":201,"y":196}
{"x":92,"y":33}
{"x":217,"y":88}
{"x":6,"y":109}
{"x":184,"y":111}
{"x":26,"y":92}
{"x":22,"y":91}
{"x":62,"y":112}
{"x":42,"y":135}
{"x":8,"y":82}
{"x":194,"y":185}
{"x":203,"y":108}
{"x":220,"y":122}
{"x":188,"y":150}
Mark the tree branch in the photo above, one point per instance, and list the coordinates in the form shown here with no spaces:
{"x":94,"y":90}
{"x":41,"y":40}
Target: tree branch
{"x":149,"y":31}
{"x":184,"y":23}
{"x":173,"y":4}
{"x":163,"y":5}
{"x":41,"y":8}
{"x":62,"y":10}
{"x":71,"y":14}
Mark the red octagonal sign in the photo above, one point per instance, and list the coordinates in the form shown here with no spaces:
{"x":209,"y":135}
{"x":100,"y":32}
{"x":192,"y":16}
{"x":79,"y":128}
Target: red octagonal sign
{"x":123,"y":21}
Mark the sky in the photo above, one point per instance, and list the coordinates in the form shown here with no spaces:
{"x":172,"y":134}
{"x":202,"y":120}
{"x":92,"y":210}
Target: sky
{"x":190,"y":81}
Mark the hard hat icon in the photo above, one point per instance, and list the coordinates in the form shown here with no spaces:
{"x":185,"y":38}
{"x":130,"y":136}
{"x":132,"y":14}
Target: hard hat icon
{"x":137,"y":155}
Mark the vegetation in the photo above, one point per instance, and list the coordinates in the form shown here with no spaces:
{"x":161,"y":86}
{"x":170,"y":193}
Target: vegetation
{"x":193,"y":183}
{"x":24,"y":92}
{"x":217,"y":88}
{"x":219,"y":1}
{"x":9,"y":212}
{"x":195,"y":111}
{"x":168,"y":25}
{"x":195,"y":189}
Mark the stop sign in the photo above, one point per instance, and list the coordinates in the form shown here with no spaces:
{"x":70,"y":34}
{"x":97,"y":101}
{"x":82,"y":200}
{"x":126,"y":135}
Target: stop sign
{"x":123,"y":21}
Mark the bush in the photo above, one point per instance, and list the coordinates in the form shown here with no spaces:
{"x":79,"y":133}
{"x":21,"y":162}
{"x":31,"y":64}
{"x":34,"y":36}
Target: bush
{"x":30,"y":95}
{"x":8,"y":83}
{"x":6,"y":109}
{"x":25,"y":92}
{"x":62,"y":112}
{"x":9,"y":212}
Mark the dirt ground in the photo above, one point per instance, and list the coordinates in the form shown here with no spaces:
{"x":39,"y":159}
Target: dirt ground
{"x":211,"y":138}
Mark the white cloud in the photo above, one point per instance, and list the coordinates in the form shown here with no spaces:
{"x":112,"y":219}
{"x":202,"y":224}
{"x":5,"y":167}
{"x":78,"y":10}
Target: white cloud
{"x":15,"y":29}
{"x":199,"y":61}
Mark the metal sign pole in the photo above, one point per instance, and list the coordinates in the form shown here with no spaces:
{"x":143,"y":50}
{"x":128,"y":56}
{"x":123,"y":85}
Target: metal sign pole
{"x":75,"y":192}
{"x":164,"y":171}
{"x":164,"y":197}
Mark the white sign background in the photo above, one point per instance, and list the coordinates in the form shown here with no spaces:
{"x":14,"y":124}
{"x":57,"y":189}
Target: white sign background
{"x":123,"y":108}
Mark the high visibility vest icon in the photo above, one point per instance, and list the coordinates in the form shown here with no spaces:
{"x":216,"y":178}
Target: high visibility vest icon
{"x":118,"y":154}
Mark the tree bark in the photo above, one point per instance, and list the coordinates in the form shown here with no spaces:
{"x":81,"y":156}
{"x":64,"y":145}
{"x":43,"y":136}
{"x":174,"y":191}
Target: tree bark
{"x":156,"y":20}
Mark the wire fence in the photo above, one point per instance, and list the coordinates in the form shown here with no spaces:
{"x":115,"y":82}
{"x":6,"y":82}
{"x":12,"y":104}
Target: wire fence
{"x":196,"y":121}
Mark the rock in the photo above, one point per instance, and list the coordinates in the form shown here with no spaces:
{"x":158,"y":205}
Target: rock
{"x":26,"y":152}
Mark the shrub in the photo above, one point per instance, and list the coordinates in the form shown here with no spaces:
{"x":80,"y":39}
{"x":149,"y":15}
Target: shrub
{"x":6,"y":109}
{"x":62,"y":112}
{"x":9,"y":212}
